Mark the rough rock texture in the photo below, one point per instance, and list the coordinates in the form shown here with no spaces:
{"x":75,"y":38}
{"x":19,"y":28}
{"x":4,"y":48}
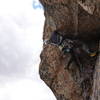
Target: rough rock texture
{"x":96,"y":83}
{"x":76,"y":18}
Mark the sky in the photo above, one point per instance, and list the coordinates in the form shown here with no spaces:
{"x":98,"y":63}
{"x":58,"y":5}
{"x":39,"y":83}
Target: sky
{"x":21,"y":28}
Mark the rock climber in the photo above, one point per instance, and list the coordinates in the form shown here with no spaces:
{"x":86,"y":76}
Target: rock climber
{"x":70,"y":45}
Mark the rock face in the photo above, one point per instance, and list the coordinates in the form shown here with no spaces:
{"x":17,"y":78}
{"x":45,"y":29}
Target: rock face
{"x":96,"y":82}
{"x":76,"y":18}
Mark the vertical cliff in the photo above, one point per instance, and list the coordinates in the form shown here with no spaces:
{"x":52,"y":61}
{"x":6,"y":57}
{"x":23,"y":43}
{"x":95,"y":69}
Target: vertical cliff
{"x":96,"y":80}
{"x":76,"y":18}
